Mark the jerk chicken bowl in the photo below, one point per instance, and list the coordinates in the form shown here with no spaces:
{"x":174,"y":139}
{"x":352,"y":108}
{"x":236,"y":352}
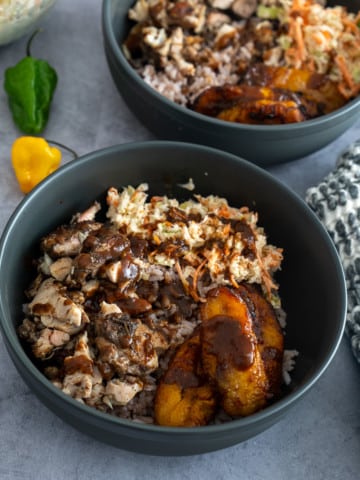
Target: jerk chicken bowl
{"x":309,"y":272}
{"x":271,"y":82}
{"x":165,"y":313}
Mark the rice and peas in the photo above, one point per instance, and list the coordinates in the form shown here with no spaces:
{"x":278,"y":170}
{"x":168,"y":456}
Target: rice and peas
{"x":113,"y":300}
{"x":183,"y":48}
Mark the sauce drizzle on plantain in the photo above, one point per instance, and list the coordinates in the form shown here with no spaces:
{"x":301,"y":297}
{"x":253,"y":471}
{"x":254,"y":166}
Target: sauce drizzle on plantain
{"x":223,"y":338}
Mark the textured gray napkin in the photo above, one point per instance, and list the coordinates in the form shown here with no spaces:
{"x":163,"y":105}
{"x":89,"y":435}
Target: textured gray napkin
{"x":336,"y":201}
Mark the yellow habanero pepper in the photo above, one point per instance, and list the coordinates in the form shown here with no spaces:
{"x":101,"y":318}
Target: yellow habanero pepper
{"x":33,"y":159}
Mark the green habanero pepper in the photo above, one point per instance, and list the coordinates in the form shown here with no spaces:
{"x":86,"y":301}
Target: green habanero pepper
{"x":30,"y":86}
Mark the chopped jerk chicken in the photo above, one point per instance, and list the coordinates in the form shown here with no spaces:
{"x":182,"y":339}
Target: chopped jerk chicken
{"x":56,"y":309}
{"x":67,"y":240}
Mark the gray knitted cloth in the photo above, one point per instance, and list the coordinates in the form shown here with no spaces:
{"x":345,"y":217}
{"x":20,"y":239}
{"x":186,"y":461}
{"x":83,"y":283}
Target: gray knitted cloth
{"x":336,"y":201}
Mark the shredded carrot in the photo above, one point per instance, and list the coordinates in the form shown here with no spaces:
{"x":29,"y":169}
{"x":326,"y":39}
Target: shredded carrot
{"x":233,"y":281}
{"x":224,"y":211}
{"x":311,"y":65}
{"x":348,"y":92}
{"x":197,"y":273}
{"x":226,"y":230}
{"x":351,"y":25}
{"x":300,"y":16}
{"x":322,"y":37}
{"x":155,"y":199}
{"x":299,"y":38}
{"x":268,"y":282}
{"x":318,"y":37}
{"x":196,"y":278}
{"x":341,"y":63}
{"x":156,"y":239}
{"x":291,"y":56}
{"x":183,"y":280}
{"x":297,"y":5}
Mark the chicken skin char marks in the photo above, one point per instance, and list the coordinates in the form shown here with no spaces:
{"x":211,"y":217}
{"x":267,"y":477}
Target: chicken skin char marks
{"x":233,"y":361}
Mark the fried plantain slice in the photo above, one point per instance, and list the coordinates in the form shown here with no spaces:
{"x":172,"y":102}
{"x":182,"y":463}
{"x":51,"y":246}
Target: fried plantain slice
{"x":264,"y":111}
{"x":184,"y":398}
{"x":269,"y":335}
{"x":314,"y":86}
{"x":254,"y":104}
{"x":230,"y":355}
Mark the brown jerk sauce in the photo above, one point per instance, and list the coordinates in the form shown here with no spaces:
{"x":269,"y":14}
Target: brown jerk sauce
{"x":223,"y":338}
{"x":78,"y":363}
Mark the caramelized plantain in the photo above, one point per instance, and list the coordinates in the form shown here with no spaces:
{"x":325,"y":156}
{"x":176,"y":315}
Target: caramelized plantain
{"x":230,"y":354}
{"x":264,"y":111}
{"x":184,"y":398}
{"x":234,"y":358}
{"x":254,"y":104}
{"x":313,"y":86}
{"x":269,"y":335}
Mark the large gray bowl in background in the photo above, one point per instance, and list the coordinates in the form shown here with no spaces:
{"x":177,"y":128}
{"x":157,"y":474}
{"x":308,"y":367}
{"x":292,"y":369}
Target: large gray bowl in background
{"x":264,"y":145}
{"x":311,"y":280}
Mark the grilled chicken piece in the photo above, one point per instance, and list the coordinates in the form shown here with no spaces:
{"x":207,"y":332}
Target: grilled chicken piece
{"x":82,"y":360}
{"x":126,"y":345}
{"x":102,"y":249}
{"x":61,"y":268}
{"x":55,"y":308}
{"x":48,"y":340}
{"x":254,"y":104}
{"x":315,"y":87}
{"x":121,"y":392}
{"x":44,"y":341}
{"x":88,"y":215}
{"x":80,"y":374}
{"x":67,"y":240}
{"x":184,"y":398}
{"x":230,"y":356}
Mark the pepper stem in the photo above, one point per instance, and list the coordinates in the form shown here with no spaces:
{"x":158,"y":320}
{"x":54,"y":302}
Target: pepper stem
{"x":28,"y":45}
{"x":64,"y":147}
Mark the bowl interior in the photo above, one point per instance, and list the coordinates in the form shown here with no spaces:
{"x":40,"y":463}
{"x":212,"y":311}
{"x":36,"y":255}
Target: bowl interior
{"x":351,"y":5}
{"x":311,"y":280}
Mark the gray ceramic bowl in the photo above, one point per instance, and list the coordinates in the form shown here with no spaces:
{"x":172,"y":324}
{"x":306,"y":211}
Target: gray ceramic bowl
{"x":311,"y":280}
{"x":262,"y":144}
